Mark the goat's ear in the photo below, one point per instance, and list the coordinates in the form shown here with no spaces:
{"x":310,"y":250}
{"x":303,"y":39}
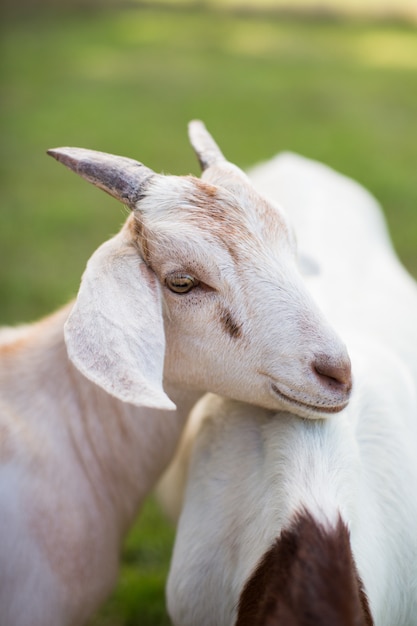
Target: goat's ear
{"x":124,"y":179}
{"x":115,"y":333}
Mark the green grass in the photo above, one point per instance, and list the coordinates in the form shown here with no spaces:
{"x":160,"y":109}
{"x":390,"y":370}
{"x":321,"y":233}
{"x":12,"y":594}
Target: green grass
{"x":128,"y":82}
{"x":139,"y":597}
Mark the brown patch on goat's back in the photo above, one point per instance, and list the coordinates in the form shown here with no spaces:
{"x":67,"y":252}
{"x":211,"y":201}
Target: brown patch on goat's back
{"x":231,"y":326}
{"x":307,"y":578}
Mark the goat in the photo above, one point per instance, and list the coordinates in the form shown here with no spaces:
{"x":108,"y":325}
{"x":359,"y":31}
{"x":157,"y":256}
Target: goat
{"x":299,"y":522}
{"x":199,"y":291}
{"x":345,"y":251}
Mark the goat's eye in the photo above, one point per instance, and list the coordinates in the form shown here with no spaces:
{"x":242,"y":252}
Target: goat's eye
{"x":181,"y":283}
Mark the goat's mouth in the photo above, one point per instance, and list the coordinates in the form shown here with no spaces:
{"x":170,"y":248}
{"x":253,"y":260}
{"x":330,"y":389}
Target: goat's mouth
{"x":305,"y":409}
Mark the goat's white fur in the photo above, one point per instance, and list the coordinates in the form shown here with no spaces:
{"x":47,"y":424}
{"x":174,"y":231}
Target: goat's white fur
{"x":84,"y":438}
{"x":250,"y":470}
{"x":345,"y":251}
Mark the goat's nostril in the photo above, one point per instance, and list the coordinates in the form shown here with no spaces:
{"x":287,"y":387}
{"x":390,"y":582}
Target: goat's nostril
{"x":337,"y":375}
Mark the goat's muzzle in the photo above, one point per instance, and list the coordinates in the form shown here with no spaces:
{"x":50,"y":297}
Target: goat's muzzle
{"x":334,"y":375}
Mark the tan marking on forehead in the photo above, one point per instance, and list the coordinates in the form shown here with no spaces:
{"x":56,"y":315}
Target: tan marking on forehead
{"x":208,"y":189}
{"x":237,"y":211}
{"x":211,"y":202}
{"x":217,"y":213}
{"x":240,"y":222}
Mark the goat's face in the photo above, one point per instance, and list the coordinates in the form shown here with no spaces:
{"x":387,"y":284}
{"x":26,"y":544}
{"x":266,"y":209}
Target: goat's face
{"x":238,"y":318}
{"x":201,"y":287}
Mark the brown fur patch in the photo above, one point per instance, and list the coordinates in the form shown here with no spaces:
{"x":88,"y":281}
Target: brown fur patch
{"x":220,"y":215}
{"x":307,"y":578}
{"x":229,"y":324}
{"x":209,"y":190}
{"x":208,"y":206}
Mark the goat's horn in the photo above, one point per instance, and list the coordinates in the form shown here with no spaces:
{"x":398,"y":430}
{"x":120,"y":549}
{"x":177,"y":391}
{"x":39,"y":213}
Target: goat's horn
{"x":124,"y":179}
{"x":206,"y":149}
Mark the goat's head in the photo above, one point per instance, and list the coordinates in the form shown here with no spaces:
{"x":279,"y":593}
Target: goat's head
{"x":201,"y":286}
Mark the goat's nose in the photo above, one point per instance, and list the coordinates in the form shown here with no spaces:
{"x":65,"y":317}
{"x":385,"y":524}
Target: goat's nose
{"x":334,"y":374}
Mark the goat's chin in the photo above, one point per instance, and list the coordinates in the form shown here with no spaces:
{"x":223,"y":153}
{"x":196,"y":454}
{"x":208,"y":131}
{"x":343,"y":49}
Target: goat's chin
{"x":305,"y":409}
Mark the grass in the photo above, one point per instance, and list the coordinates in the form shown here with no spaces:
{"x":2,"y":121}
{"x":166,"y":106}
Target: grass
{"x":139,"y":597}
{"x":127,"y":82}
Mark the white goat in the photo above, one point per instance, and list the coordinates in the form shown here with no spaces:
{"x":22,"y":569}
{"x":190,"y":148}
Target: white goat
{"x":199,"y":291}
{"x":345,"y":251}
{"x":296,"y":522}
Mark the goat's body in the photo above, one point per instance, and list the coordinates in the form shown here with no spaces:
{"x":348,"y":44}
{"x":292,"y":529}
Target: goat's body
{"x":253,"y":473}
{"x":75,"y":465}
{"x":91,"y":412}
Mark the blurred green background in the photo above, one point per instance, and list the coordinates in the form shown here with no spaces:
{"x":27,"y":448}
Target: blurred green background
{"x":338,"y":84}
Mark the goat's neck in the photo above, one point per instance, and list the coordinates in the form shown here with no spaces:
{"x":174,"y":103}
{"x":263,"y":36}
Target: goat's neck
{"x":118,"y":451}
{"x":124,"y":448}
